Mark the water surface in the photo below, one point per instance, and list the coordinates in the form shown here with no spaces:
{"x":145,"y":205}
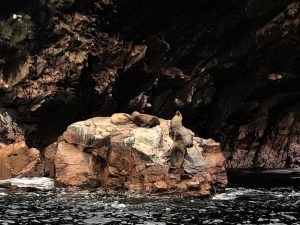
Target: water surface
{"x":238,"y":205}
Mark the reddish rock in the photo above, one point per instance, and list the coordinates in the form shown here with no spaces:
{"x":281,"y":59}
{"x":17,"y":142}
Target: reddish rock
{"x":193,"y":184}
{"x":73,"y":166}
{"x":276,"y":147}
{"x":161,"y":186}
{"x":16,"y":160}
{"x":97,"y":153}
{"x":182,"y":186}
{"x":232,"y":81}
{"x":49,"y":157}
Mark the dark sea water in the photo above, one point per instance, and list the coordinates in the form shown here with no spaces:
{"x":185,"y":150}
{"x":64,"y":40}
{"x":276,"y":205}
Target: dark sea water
{"x":238,"y":205}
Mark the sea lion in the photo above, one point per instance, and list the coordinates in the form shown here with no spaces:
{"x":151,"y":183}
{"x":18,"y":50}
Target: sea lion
{"x":120,"y":118}
{"x":186,"y":134}
{"x":144,"y":120}
{"x":178,"y":151}
{"x":176,"y":126}
{"x":176,"y":120}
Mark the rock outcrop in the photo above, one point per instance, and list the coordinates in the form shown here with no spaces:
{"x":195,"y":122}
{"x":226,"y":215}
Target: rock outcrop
{"x":230,"y":67}
{"x":17,"y":160}
{"x":97,"y":153}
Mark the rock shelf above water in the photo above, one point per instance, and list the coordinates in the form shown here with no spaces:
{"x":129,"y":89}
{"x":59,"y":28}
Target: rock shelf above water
{"x":98,"y":154}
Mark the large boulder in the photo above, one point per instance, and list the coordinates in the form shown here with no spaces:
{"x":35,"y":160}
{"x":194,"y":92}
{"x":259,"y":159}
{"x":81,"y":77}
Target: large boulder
{"x":17,"y":160}
{"x":97,"y":153}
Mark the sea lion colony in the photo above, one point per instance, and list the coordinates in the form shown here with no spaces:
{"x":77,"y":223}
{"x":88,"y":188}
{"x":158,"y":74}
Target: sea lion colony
{"x":182,"y":136}
{"x":141,"y":120}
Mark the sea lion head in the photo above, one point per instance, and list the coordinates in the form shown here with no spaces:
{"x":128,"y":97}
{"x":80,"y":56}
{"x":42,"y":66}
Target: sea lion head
{"x":177,"y":119}
{"x":135,"y":113}
{"x":178,"y":136}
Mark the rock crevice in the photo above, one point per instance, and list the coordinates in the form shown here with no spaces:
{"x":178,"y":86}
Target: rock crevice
{"x":97,"y":153}
{"x":230,"y":67}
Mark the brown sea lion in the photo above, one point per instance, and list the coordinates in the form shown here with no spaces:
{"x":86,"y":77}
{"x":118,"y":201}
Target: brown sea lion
{"x":176,"y":126}
{"x":176,"y":120}
{"x":144,"y":120}
{"x":120,"y":118}
{"x":186,"y":134}
{"x":178,"y":151}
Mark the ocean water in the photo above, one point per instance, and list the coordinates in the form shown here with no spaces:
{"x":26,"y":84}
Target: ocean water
{"x":238,"y":205}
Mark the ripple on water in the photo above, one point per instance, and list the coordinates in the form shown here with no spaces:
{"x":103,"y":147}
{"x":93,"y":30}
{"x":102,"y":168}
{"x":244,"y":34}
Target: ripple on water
{"x":233,"y":193}
{"x":236,"y":206}
{"x":100,"y":220}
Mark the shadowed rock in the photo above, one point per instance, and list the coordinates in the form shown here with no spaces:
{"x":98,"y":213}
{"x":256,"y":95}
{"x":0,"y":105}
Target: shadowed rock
{"x":234,"y":73}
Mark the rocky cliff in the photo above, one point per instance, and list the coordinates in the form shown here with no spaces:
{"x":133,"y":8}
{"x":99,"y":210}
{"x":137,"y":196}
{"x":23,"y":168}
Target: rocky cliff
{"x":231,"y":67}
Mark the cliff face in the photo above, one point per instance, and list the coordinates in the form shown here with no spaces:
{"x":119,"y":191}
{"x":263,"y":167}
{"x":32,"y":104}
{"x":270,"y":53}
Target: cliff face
{"x":110,"y":158}
{"x":230,"y":67}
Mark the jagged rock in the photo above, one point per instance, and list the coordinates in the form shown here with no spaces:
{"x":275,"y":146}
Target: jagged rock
{"x":276,"y":147}
{"x":9,"y":130}
{"x":17,"y":160}
{"x":72,"y":166}
{"x":49,"y":157}
{"x":234,"y":74}
{"x":97,"y":153}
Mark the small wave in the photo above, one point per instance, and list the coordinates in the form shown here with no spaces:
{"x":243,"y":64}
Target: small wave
{"x":42,"y":183}
{"x":224,"y":196}
{"x":233,"y":193}
{"x":1,"y":194}
{"x":294,"y":194}
{"x":116,"y":205}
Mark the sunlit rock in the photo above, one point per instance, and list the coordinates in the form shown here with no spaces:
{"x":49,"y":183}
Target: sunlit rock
{"x":97,"y":153}
{"x":17,"y":160}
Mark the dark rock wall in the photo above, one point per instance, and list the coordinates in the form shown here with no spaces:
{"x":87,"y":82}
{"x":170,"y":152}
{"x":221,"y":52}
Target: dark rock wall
{"x":231,"y":68}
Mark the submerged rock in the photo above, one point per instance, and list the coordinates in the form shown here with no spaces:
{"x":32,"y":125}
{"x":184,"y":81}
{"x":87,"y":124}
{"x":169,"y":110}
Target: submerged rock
{"x":98,"y":153}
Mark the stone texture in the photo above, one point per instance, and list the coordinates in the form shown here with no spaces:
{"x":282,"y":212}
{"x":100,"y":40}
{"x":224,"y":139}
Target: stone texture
{"x":97,"y":153}
{"x":10,"y":132}
{"x":17,"y":160}
{"x":231,"y":68}
{"x":72,"y":166}
{"x":274,"y":147}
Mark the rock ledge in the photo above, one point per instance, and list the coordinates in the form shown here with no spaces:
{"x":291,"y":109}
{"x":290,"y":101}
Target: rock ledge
{"x":96,"y":153}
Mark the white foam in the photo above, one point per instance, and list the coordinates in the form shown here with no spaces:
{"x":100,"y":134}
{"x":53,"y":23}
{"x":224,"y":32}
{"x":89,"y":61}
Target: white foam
{"x":224,"y":196}
{"x":1,"y":194}
{"x":42,"y":183}
{"x":233,"y":193}
{"x":116,"y":205}
{"x":294,"y":194}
